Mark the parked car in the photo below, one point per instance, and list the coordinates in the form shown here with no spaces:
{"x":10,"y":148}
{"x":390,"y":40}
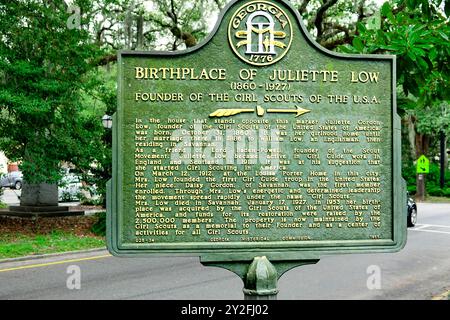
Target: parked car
{"x":72,"y":188}
{"x":412,"y":212}
{"x":12,"y":180}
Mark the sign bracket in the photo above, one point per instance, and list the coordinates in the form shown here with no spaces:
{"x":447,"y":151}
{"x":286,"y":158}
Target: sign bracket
{"x":260,"y":276}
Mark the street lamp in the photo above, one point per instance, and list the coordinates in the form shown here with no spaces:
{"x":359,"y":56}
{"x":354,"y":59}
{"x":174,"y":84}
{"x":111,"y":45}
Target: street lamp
{"x":107,"y":121}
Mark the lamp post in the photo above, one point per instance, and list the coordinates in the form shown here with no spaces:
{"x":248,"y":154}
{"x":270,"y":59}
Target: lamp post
{"x":442,"y":149}
{"x":107,"y":121}
{"x":106,"y":168}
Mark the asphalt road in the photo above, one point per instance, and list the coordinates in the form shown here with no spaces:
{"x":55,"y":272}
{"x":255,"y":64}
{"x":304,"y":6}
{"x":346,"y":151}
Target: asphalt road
{"x":420,"y":271}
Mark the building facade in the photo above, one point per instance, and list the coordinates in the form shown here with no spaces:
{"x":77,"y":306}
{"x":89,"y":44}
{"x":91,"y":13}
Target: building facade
{"x":3,"y":163}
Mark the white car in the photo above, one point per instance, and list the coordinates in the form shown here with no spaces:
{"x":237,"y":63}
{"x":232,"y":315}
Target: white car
{"x":69,"y":188}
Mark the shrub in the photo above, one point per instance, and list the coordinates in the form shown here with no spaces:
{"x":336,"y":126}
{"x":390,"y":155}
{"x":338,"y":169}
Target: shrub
{"x":409,"y":174}
{"x":90,"y":201}
{"x":99,"y":228}
{"x":432,"y":180}
{"x":412,"y":189}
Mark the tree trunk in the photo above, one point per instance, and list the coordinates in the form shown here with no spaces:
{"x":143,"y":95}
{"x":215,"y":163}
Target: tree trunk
{"x":443,"y":162}
{"x":421,"y":189}
{"x":412,"y":136}
{"x":446,"y":156}
{"x":140,"y":32}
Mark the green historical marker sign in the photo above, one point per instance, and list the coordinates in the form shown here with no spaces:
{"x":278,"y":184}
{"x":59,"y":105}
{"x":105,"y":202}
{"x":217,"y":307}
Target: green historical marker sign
{"x":257,"y":142}
{"x":423,"y":165}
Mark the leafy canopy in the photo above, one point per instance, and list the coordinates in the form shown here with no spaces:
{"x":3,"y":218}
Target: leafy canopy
{"x":44,"y":68}
{"x":417,"y":32}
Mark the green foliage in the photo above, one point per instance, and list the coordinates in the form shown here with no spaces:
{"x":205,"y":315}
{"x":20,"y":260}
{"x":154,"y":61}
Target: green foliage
{"x":68,"y":197}
{"x":152,"y":25}
{"x":438,"y":192}
{"x":418,"y":33}
{"x":333,"y":23}
{"x":16,"y":245}
{"x":44,"y":68}
{"x":99,"y":228}
{"x":409,"y":174}
{"x":104,"y":100}
{"x":432,"y":180}
{"x":432,"y":120}
{"x":90,"y":196}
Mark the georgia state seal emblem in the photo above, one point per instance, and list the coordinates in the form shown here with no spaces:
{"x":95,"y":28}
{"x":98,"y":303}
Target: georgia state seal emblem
{"x":260,"y":33}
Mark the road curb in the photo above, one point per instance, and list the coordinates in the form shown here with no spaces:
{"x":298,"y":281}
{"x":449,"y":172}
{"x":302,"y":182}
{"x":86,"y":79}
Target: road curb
{"x":50,"y":255}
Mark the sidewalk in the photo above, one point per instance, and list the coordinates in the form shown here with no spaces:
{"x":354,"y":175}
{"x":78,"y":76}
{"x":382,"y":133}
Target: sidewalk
{"x":11,"y":197}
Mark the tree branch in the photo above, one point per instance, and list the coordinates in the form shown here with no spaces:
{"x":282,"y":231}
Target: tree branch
{"x":320,"y":15}
{"x":172,"y":14}
{"x":159,"y":22}
{"x":174,"y":45}
{"x":218,"y":4}
{"x":302,"y":8}
{"x":106,"y":60}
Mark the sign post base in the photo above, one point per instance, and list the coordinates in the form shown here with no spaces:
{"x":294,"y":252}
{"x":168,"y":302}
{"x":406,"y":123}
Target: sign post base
{"x":260,"y":276}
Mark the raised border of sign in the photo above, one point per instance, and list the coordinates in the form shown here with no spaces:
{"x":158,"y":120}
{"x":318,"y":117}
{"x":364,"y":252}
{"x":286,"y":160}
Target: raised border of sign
{"x":274,"y":251}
